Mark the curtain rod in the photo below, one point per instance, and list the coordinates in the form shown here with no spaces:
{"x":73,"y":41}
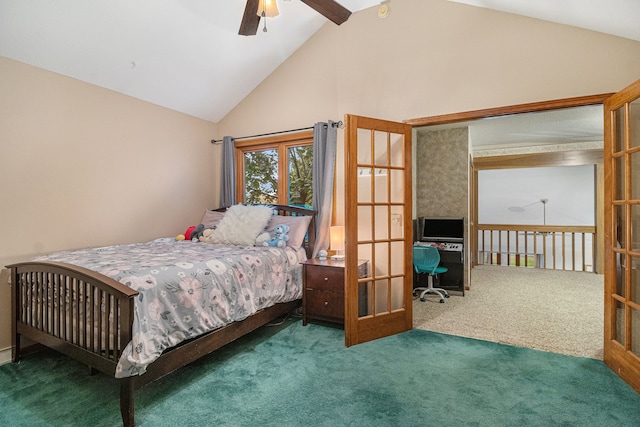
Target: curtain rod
{"x":217,"y":141}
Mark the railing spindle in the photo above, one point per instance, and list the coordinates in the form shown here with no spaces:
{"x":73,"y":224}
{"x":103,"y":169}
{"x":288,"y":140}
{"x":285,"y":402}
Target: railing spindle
{"x":560,"y":249}
{"x":573,"y":251}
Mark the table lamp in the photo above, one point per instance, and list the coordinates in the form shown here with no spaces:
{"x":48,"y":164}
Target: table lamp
{"x":336,"y":235}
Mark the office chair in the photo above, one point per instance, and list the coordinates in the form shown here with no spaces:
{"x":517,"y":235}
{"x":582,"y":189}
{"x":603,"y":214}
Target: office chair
{"x":426,"y":260}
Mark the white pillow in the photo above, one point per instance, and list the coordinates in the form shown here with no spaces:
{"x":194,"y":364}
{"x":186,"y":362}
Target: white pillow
{"x":241,"y":224}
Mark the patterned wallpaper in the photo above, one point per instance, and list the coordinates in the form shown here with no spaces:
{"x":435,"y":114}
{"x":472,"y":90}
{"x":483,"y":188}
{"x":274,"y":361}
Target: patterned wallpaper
{"x":442,"y":178}
{"x":442,"y":173}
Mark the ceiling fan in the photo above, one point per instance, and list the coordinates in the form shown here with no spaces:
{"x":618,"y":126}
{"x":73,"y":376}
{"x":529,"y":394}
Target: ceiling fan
{"x":330,"y":9}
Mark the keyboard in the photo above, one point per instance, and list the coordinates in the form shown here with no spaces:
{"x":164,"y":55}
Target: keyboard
{"x":443,"y":246}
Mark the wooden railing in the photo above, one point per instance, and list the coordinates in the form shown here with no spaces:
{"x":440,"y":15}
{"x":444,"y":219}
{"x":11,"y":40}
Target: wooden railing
{"x":556,"y":247}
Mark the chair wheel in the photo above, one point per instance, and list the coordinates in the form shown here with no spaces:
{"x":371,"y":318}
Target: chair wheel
{"x":423,"y":299}
{"x":442,"y":301}
{"x":447,"y":296}
{"x":415,"y":294}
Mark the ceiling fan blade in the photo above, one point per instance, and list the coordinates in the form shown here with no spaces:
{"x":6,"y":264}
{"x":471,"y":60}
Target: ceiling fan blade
{"x":329,"y":9}
{"x":250,"y":19}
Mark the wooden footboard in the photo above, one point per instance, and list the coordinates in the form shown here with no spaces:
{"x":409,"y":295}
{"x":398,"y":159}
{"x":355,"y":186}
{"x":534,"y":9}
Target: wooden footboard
{"x":75,"y":311}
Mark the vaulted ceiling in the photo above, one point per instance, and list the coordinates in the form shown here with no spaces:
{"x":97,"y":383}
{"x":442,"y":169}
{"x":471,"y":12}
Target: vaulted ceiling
{"x":186,"y":55}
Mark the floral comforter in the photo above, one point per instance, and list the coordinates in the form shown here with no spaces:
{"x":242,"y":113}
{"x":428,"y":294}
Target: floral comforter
{"x":189,"y":288}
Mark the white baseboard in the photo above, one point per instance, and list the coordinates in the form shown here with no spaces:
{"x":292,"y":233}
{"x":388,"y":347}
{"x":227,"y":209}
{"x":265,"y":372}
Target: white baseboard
{"x":5,"y":355}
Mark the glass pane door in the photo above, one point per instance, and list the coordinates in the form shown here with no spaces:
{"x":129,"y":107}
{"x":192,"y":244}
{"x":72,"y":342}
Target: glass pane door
{"x":378,"y":223}
{"x":622,"y":235}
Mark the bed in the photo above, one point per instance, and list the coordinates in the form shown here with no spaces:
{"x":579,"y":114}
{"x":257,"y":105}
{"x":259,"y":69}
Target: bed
{"x":119,"y":309}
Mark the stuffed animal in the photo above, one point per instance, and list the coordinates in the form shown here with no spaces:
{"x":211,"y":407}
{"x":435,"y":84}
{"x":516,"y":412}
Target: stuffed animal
{"x":196,"y":233}
{"x":280,"y":236}
{"x":207,"y":235}
{"x":187,"y":234}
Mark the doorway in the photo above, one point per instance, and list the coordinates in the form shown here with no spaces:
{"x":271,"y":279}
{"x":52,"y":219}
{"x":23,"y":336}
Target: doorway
{"x":574,"y":157}
{"x":548,"y":158}
{"x":542,"y":217}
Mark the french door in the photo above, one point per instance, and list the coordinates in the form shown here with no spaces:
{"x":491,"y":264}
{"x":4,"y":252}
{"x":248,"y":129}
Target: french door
{"x":378,"y":228}
{"x":622,"y":234}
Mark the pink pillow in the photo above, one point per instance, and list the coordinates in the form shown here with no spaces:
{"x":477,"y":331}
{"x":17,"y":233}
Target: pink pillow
{"x":298,"y":226}
{"x":210,"y":219}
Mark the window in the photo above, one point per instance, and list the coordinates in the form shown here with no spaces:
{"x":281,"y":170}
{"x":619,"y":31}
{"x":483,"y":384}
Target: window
{"x":275,"y":170}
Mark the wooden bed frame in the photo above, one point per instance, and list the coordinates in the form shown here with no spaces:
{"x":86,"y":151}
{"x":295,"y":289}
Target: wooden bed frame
{"x":76,"y":320}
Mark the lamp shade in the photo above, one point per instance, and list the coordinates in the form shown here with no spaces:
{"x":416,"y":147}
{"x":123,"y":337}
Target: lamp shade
{"x":268,"y":8}
{"x":336,"y":235}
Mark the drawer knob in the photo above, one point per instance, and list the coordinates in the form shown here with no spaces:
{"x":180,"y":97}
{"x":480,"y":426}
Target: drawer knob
{"x":326,"y":303}
{"x":326,"y":278}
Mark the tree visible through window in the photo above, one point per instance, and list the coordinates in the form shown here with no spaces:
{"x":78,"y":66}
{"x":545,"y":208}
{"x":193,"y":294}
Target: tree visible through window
{"x":275,"y":170}
{"x":300,"y":175}
{"x":261,"y":177}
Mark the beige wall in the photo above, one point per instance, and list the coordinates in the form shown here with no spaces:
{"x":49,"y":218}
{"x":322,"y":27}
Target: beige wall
{"x":432,"y":57}
{"x":84,"y":166}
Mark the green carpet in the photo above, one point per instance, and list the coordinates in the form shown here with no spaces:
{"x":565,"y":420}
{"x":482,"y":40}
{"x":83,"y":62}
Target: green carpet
{"x":304,"y":376}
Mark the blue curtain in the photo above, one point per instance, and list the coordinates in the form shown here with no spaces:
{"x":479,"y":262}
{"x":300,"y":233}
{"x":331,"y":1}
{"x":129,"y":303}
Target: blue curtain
{"x":325,"y":137}
{"x":228,"y":190}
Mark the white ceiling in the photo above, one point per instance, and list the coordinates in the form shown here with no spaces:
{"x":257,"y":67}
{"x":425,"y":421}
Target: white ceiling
{"x":580,"y":124}
{"x":617,"y":17}
{"x":186,"y":55}
{"x":567,"y":125}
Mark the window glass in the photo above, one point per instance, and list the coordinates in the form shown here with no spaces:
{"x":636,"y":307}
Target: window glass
{"x":261,"y":177}
{"x":300,"y":176}
{"x":275,"y":171}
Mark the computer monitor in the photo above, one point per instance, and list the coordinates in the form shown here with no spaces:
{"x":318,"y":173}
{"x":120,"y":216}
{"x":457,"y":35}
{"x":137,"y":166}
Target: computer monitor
{"x":443,"y":229}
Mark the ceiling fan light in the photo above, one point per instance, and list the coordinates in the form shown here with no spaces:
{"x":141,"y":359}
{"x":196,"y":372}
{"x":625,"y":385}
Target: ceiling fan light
{"x":268,"y":8}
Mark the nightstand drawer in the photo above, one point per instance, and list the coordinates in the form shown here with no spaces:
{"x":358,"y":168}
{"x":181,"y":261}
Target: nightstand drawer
{"x":323,"y":290}
{"x":325,"y":305}
{"x":328,"y":279}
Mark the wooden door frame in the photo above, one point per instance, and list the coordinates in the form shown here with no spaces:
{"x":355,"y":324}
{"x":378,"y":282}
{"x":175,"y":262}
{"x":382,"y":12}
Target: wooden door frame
{"x":534,"y":107}
{"x":547,"y":159}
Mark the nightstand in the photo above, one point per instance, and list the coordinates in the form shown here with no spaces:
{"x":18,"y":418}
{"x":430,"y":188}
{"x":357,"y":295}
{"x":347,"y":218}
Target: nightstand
{"x":323,"y":290}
